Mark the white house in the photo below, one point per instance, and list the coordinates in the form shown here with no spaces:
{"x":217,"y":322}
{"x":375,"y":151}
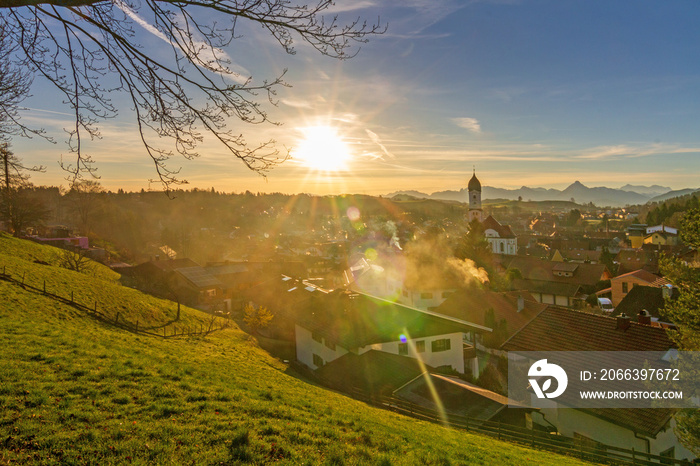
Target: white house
{"x":500,"y":237}
{"x":344,"y":321}
{"x":648,"y":430}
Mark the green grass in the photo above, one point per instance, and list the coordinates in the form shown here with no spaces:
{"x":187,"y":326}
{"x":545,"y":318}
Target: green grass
{"x":74,"y":390}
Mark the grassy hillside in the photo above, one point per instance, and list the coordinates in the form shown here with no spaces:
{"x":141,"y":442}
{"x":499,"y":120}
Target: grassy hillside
{"x":74,"y":390}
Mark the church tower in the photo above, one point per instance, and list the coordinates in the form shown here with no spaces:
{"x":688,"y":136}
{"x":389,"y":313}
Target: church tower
{"x":474,"y":188}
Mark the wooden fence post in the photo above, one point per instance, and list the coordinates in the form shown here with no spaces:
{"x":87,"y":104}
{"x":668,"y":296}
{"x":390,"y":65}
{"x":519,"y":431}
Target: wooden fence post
{"x":71,"y":297}
{"x":44,"y":286}
{"x":116,"y":319}
{"x":23,"y":278}
{"x":499,"y":430}
{"x":95,"y":306}
{"x":163,"y":332}
{"x":137,"y":325}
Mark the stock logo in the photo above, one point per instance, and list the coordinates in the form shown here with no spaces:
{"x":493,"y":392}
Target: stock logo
{"x":542,"y":370}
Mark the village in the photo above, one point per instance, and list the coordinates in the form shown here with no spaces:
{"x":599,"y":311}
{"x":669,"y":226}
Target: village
{"x":364,"y":304}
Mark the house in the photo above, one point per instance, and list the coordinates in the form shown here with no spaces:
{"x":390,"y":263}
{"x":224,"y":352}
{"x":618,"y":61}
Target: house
{"x":662,"y":238}
{"x":500,"y":237}
{"x":553,"y":282}
{"x":181,"y":279}
{"x":622,"y":284}
{"x":630,"y":260}
{"x":332,"y":325}
{"x":648,"y":430}
{"x":635,"y":234}
{"x":651,"y":299}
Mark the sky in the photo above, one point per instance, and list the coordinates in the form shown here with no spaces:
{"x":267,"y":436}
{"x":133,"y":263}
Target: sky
{"x":535,"y":93}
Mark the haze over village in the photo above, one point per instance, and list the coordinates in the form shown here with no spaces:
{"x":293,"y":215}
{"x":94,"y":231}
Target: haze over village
{"x":260,"y":232}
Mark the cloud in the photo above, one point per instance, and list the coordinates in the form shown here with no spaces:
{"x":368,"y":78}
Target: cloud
{"x":375,"y":139}
{"x":296,"y":103}
{"x":472,"y":124}
{"x":206,"y":52}
{"x":631,"y":151}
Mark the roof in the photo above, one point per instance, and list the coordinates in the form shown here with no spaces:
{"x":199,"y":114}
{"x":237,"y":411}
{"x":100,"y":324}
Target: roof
{"x":354,"y":320}
{"x":503,"y":231}
{"x":199,"y":277}
{"x":547,"y":287}
{"x":471,"y":305}
{"x":172,"y":264}
{"x":474,"y":183}
{"x":457,"y":396}
{"x":649,"y":298}
{"x":562,"y":329}
{"x":533,"y":268}
{"x":565,"y":267}
{"x":375,"y":372}
{"x":635,"y":259}
{"x":641,"y":274}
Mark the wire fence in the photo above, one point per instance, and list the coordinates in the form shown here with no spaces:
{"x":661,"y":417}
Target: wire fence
{"x":168,"y":329}
{"x":581,"y":448}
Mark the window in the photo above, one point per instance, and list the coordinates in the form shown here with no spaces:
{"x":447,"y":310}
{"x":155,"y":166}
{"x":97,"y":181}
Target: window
{"x":426,"y":296}
{"x":446,"y":294}
{"x":330,"y":345}
{"x":318,"y":360}
{"x":667,"y":455}
{"x":317,"y":337}
{"x":440,"y":345}
{"x":502,"y":247}
{"x":420,"y":346}
{"x":403,"y":349}
{"x":625,"y":287}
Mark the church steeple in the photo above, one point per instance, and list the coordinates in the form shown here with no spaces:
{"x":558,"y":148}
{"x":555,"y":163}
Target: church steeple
{"x":474,"y":188}
{"x":474,"y":183}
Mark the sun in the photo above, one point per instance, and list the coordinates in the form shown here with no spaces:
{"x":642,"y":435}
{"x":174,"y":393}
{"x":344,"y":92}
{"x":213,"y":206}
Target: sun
{"x":322,"y":149}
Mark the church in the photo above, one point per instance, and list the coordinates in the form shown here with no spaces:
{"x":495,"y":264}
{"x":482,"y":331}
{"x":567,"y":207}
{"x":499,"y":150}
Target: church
{"x":500,"y":237}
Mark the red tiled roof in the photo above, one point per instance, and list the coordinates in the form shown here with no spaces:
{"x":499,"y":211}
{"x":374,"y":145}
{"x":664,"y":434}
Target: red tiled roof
{"x":533,"y":268}
{"x":503,"y":231}
{"x":561,"y":329}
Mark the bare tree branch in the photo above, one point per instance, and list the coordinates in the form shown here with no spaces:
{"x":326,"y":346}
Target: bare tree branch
{"x":89,"y":50}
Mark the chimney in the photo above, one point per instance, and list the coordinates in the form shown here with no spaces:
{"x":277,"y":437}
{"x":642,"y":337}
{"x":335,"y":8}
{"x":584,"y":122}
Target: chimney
{"x":623,"y":322}
{"x":644,"y":317}
{"x":666,"y":291}
{"x":521,"y":303}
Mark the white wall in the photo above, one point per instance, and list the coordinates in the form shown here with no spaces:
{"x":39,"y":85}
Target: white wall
{"x":454,"y":357}
{"x":307,"y":347}
{"x":570,"y":421}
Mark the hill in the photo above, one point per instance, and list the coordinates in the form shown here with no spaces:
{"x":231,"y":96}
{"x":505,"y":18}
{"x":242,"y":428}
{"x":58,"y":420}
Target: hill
{"x":76,"y":390}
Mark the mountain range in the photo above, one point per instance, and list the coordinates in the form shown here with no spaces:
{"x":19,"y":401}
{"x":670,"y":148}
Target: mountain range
{"x":577,"y":191}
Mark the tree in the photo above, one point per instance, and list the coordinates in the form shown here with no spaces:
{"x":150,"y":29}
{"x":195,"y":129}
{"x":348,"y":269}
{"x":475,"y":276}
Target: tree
{"x":78,"y":45}
{"x":256,"y":318}
{"x":85,"y":198}
{"x":474,"y":245}
{"x":76,"y":259}
{"x":15,"y":82}
{"x":18,"y":208}
{"x":685,"y":313}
